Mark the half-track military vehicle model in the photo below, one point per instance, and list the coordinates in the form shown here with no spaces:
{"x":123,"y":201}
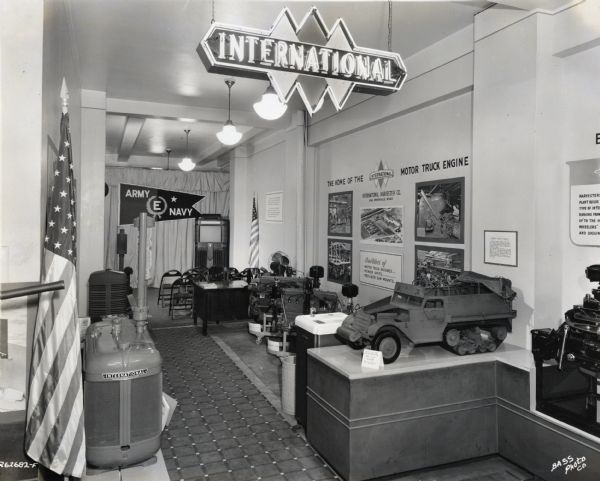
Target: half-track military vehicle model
{"x":474,"y":314}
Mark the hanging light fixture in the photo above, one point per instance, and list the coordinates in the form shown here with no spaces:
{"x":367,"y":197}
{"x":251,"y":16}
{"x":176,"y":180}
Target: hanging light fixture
{"x":186,"y":163}
{"x":229,"y":134}
{"x":270,"y":107}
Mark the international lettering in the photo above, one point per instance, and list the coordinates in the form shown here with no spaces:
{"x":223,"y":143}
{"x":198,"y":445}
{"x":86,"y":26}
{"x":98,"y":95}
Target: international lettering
{"x":305,"y":58}
{"x":125,"y":375}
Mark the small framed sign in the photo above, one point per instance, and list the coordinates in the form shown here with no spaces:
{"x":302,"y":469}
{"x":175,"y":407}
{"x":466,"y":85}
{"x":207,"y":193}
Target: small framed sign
{"x":274,"y":207}
{"x":500,"y":247}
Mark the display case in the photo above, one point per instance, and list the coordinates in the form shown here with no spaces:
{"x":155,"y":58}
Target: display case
{"x":567,"y":362}
{"x":211,"y":241}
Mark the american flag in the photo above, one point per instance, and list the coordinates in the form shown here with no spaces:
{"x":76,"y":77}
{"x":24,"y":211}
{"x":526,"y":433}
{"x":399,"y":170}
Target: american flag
{"x":54,"y":434}
{"x":254,"y":236}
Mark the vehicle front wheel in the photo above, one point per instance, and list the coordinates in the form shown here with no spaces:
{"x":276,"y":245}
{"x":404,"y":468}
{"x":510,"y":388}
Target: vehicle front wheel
{"x":388,"y":342}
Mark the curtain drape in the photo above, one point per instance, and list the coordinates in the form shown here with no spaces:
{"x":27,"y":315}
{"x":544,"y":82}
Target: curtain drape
{"x":170,"y":243}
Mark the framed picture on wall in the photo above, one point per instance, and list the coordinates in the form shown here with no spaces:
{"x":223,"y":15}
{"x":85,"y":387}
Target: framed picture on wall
{"x":440,"y":211}
{"x":339,"y":260}
{"x":501,"y":247}
{"x":339,"y":216}
{"x":437,"y":266}
{"x":382,"y":225}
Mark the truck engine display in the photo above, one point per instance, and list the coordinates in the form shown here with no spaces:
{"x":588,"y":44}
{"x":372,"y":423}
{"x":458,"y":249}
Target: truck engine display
{"x":567,"y":362}
{"x":474,"y":314}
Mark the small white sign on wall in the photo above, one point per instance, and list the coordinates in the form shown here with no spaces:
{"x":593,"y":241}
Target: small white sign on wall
{"x":501,"y":247}
{"x":380,"y":269}
{"x":274,"y":206}
{"x":585,"y":202}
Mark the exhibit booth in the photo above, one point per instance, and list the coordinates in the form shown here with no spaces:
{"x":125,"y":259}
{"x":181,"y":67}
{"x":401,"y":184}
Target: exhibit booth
{"x":449,"y":189}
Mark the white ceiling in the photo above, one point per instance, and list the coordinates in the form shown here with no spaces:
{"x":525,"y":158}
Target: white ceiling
{"x":145,"y":50}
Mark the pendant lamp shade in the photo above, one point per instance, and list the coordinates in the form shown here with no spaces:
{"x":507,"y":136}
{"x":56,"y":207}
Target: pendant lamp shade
{"x":270,"y":107}
{"x":229,"y":135}
{"x":186,"y":164}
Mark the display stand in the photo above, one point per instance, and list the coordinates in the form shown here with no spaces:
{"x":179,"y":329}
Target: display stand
{"x":265,"y":330}
{"x":220,"y":301}
{"x":431,"y":407}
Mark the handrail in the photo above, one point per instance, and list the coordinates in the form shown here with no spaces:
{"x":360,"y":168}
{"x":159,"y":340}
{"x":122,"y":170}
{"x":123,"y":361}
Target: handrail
{"x":31,"y":290}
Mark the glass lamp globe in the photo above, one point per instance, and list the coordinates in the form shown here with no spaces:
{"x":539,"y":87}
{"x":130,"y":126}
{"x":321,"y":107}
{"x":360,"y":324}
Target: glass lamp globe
{"x":270,"y":107}
{"x":229,"y":134}
{"x":186,"y":164}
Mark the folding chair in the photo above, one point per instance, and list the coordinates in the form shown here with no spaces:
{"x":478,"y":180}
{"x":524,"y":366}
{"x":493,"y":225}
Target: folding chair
{"x":200,"y":274}
{"x":166,"y":286}
{"x":182,"y":295}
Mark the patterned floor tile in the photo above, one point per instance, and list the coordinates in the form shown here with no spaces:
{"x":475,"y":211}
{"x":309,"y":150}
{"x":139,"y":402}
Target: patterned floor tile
{"x":289,"y":466}
{"x":265,"y":470}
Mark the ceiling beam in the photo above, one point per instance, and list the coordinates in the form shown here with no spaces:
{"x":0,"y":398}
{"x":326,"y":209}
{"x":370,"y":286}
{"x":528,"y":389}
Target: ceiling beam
{"x":201,"y":114}
{"x":217,"y":149}
{"x":149,"y":161}
{"x":131,"y":132}
{"x":543,"y":6}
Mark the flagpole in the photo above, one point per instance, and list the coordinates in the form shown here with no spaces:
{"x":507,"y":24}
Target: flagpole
{"x":64,"y":95}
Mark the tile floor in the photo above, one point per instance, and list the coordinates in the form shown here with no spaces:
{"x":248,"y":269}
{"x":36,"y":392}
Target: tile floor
{"x":223,"y":427}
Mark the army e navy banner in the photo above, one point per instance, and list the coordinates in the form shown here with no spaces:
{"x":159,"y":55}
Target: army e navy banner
{"x":157,"y":203}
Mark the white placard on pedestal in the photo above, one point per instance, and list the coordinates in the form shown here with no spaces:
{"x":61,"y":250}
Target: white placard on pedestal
{"x":372,"y":359}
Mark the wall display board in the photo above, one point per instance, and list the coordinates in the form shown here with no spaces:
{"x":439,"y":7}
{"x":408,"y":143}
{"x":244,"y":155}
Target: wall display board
{"x":157,"y":203}
{"x":379,"y":269}
{"x":439,"y":214}
{"x":274,"y":207}
{"x":585,"y":202}
{"x":339,"y":260}
{"x":339,"y":217}
{"x":437,"y":266}
{"x":383,"y":225}
{"x":500,"y":247}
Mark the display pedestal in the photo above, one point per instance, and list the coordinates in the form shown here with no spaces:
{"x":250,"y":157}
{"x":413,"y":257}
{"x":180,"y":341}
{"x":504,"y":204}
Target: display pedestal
{"x":220,"y":301}
{"x":431,"y":407}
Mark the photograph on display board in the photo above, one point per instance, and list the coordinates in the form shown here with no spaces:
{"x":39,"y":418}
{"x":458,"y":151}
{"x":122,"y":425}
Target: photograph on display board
{"x":339,"y":260}
{"x":382,"y":225}
{"x":437,"y":266}
{"x":440,"y":215}
{"x":339,"y":218}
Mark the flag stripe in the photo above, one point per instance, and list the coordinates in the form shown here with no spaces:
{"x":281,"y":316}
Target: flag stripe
{"x":54,"y":270}
{"x":48,"y":342}
{"x":43,"y":435}
{"x":53,"y":376}
{"x":69,"y":416}
{"x":76,"y":456}
{"x":50,"y":331}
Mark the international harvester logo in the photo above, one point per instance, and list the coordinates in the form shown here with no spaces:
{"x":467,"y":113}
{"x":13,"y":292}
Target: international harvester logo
{"x":381,"y":175}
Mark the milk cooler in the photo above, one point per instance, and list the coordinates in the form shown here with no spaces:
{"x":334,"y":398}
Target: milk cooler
{"x":122,"y":393}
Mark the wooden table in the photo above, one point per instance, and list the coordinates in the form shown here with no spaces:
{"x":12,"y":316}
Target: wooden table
{"x":220,"y":301}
